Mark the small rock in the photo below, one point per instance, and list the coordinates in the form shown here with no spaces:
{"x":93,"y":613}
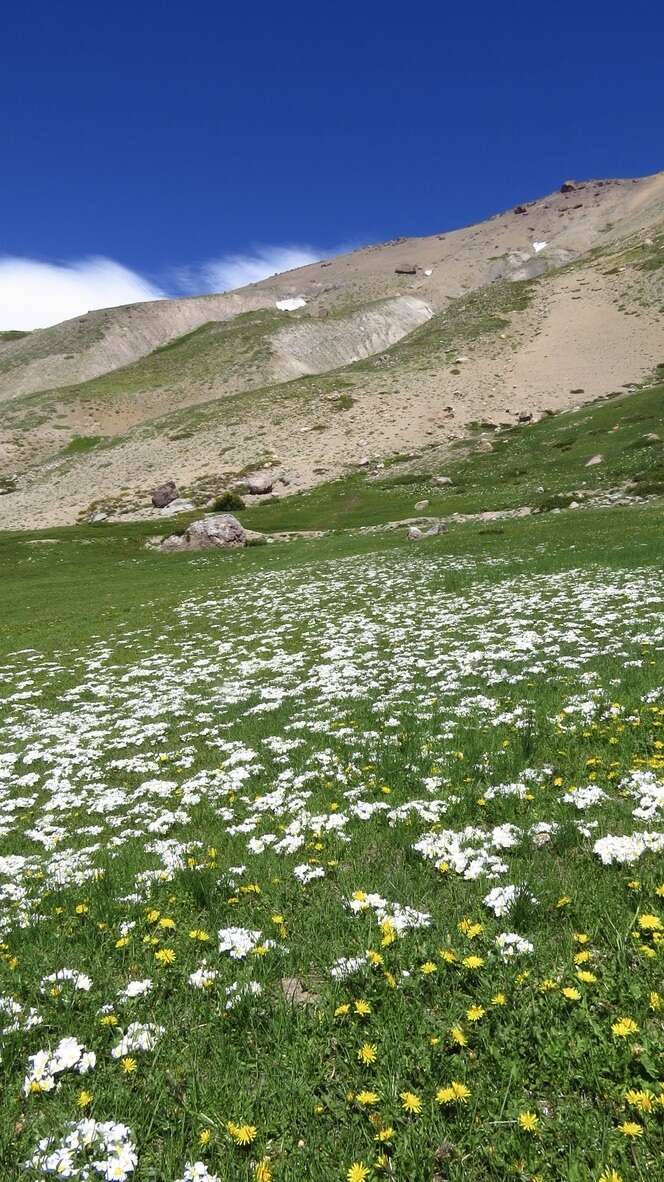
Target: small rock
{"x":420,"y":505}
{"x":520,"y":209}
{"x":484,"y":446}
{"x":568,"y":187}
{"x":442,"y":481}
{"x":164,"y":494}
{"x":598,"y":459}
{"x":524,"y":416}
{"x":293,"y":989}
{"x":405,"y":269}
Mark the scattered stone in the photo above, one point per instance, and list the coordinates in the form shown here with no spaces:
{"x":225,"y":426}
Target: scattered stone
{"x":405,"y":269}
{"x":598,"y":459}
{"x":293,"y":989}
{"x":568,"y":187}
{"x":164,"y":494}
{"x":97,"y":518}
{"x":484,"y":446}
{"x":421,"y":505}
{"x":524,"y":416}
{"x":520,"y":209}
{"x":415,"y":534}
{"x":442,"y":481}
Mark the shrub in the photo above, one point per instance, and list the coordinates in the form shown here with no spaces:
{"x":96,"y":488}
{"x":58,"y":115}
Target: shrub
{"x":227,"y":500}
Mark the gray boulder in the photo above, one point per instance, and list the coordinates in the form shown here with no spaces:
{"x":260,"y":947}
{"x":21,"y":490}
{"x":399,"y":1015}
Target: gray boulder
{"x":421,"y":505}
{"x":164,"y":494}
{"x":442,"y":481}
{"x":222,"y":531}
{"x":415,"y":534}
{"x":179,"y":505}
{"x":405,"y":269}
{"x":260,"y":483}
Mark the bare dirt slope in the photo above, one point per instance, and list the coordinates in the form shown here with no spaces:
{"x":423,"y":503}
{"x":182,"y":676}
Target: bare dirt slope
{"x":530,"y":311}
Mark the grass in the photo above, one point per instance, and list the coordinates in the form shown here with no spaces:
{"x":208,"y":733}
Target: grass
{"x":304,"y":689}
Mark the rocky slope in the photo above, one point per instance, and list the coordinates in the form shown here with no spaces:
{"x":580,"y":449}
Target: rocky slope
{"x":385,"y":349}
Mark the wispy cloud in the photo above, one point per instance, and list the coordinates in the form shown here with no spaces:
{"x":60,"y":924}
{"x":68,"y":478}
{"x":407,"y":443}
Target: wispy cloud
{"x":35,"y":294}
{"x":237,"y":270}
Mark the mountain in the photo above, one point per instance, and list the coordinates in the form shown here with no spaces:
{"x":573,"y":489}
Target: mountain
{"x":381,"y":351}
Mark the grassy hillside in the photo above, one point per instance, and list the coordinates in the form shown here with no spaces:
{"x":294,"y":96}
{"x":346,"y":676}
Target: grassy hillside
{"x":453,"y":738}
{"x":540,"y":464}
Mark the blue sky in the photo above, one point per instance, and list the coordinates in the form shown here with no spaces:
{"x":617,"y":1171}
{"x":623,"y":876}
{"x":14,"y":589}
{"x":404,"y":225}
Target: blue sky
{"x":165,"y":137}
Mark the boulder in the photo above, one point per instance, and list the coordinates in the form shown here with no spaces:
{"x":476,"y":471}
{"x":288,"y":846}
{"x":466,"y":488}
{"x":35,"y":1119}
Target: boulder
{"x":223,"y":531}
{"x":164,"y":494}
{"x":568,"y":187}
{"x":405,"y":269}
{"x":442,"y":481}
{"x":421,"y":505}
{"x":179,"y":505}
{"x":260,"y":483}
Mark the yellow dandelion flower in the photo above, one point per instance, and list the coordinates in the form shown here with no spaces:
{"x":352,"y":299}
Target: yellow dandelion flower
{"x":630,"y":1128}
{"x":587,"y":978}
{"x":358,"y":1172}
{"x":205,"y":1137}
{"x":384,"y":1135}
{"x":262,"y":1171}
{"x":470,"y":929}
{"x":342,"y":1010}
{"x":564,"y":900}
{"x":410,"y":1103}
{"x":362,"y":1008}
{"x":448,"y":955}
{"x":83,"y":1099}
{"x":375,"y":958}
{"x":428,"y":967}
{"x":241,"y":1134}
{"x":650,"y":923}
{"x":473,"y":962}
{"x":624,"y":1027}
{"x":166,"y":922}
{"x":368,"y":1053}
{"x":474,"y":1013}
{"x":640,"y":1099}
{"x":128,"y":1064}
{"x":445,"y":1095}
{"x":529,"y":1122}
{"x":458,"y":1036}
{"x":571,"y":994}
{"x":461,"y":1092}
{"x":609,"y":1175}
{"x":165,"y":956}
{"x":499,"y":999}
{"x":581,"y":937}
{"x":547,"y":985}
{"x":366,"y":1099}
{"x":654,"y":1000}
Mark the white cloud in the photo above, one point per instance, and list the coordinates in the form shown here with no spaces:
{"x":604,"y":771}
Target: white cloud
{"x":237,"y":270}
{"x":35,"y":294}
